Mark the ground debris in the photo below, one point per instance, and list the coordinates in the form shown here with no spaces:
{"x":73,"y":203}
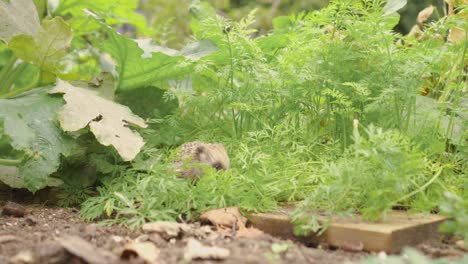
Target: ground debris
{"x":439,"y":252}
{"x":50,"y":253}
{"x":165,"y":229}
{"x":30,"y":221}
{"x":147,"y":251}
{"x":461,"y":245}
{"x":13,"y":209}
{"x":88,"y":252}
{"x":224,"y":217}
{"x":353,"y":247}
{"x":7,"y":238}
{"x":230,"y":223}
{"x":195,"y":250}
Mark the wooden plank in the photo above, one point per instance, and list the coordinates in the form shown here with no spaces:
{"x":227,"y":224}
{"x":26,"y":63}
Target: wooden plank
{"x":399,"y":229}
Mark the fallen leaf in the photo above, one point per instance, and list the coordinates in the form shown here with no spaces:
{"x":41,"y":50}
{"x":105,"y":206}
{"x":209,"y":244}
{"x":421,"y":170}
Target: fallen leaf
{"x":88,"y":252}
{"x":18,"y":17}
{"x":461,"y":244}
{"x":279,"y":248}
{"x":165,"y":229}
{"x":353,"y":246}
{"x":456,"y":35}
{"x":106,"y":119}
{"x":7,"y":238}
{"x":225,"y":217}
{"x":249,"y":232}
{"x":144,"y":250}
{"x":425,"y":14}
{"x":23,"y":257}
{"x":195,"y":250}
{"x":415,"y":32}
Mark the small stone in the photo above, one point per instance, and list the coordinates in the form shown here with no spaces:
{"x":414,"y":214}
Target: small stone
{"x":30,"y":221}
{"x":142,"y":238}
{"x":353,"y":247}
{"x":25,"y":256}
{"x":91,"y":230}
{"x":165,"y":229}
{"x":117,"y":239}
{"x":195,"y":250}
{"x":13,"y":209}
{"x":382,"y":255}
{"x":461,"y":244}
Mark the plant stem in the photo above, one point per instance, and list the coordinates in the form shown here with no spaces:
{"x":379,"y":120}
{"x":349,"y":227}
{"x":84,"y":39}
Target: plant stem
{"x":13,"y":76}
{"x":6,"y":72}
{"x":9,"y":162}
{"x":420,"y":189}
{"x":14,"y":93}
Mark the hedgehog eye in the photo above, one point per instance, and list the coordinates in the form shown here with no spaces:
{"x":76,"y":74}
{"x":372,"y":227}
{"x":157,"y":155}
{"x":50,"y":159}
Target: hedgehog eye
{"x":217,"y":166}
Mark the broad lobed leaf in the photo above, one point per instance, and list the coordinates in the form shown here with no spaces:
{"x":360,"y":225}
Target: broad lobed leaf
{"x":30,"y":122}
{"x":18,"y":17}
{"x":107,"y":120}
{"x":47,"y":48}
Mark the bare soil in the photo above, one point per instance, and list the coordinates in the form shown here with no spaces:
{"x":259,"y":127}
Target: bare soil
{"x":40,"y":228}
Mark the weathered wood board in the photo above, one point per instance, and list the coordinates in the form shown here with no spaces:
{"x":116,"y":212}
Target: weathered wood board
{"x":400,"y":229}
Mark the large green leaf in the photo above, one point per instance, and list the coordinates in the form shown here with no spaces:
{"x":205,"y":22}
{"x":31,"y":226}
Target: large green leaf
{"x":47,"y":48}
{"x":135,"y":69}
{"x":393,"y":5}
{"x":106,"y":119}
{"x":30,"y":123}
{"x":113,"y":12}
{"x":17,"y":17}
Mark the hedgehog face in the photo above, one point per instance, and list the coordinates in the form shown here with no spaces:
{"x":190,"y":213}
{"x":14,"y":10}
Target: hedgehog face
{"x":214,"y":155}
{"x":195,"y":152}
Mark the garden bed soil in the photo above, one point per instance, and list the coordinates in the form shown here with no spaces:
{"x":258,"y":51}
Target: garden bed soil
{"x":41,"y":227}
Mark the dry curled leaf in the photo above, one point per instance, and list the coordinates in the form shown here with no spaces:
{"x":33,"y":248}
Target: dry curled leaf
{"x":106,"y":119}
{"x":425,"y":14}
{"x":249,"y":232}
{"x":224,"y":217}
{"x":195,"y":250}
{"x":83,"y":249}
{"x":456,"y":35}
{"x":166,"y":229}
{"x":147,"y":251}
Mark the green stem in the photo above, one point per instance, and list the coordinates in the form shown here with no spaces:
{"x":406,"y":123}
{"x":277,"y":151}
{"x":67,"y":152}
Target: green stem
{"x":420,"y":189}
{"x":9,"y":162}
{"x":14,"y":93}
{"x":231,"y":72}
{"x":17,"y":71}
{"x":5,"y":73}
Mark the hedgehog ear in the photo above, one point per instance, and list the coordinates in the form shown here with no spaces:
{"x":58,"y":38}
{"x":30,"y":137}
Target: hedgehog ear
{"x":200,"y":149}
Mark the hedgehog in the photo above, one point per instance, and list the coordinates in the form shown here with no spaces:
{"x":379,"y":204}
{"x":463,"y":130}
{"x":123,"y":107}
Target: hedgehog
{"x":197,"y":152}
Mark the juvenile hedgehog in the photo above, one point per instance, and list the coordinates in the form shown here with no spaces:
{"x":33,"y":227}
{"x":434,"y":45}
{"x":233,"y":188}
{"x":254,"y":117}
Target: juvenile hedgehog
{"x":195,"y":152}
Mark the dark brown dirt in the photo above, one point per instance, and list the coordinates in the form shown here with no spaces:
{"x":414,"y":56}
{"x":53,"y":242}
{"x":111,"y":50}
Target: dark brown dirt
{"x":41,"y":227}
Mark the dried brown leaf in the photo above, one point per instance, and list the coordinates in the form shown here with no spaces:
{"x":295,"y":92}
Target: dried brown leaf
{"x":456,"y":35}
{"x":226,"y":217}
{"x":425,"y":14}
{"x":249,"y":232}
{"x":106,"y":119}
{"x":144,"y":250}
{"x":195,"y":250}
